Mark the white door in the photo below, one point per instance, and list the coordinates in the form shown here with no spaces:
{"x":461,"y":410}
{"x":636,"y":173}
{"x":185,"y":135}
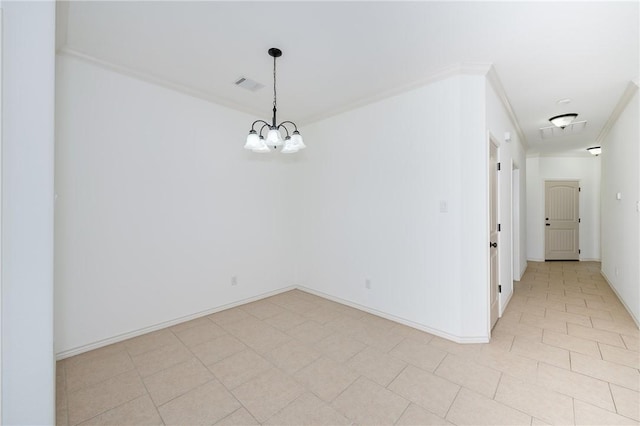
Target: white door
{"x":493,"y":232}
{"x":561,"y":220}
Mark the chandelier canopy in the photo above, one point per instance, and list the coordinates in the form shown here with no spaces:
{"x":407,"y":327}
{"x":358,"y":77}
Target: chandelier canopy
{"x":292,"y":142}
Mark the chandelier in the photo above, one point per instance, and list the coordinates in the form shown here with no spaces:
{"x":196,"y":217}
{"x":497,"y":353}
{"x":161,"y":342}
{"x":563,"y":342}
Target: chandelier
{"x":292,"y":142}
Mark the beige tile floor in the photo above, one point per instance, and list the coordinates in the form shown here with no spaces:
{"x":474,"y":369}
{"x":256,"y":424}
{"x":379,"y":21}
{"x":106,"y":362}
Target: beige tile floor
{"x":565,"y":352}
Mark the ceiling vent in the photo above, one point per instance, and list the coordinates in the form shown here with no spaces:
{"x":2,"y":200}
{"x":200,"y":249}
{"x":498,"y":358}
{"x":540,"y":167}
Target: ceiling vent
{"x":571,"y":129}
{"x":247,"y":83}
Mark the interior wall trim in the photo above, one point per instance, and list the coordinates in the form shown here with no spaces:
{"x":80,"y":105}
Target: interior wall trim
{"x":399,"y":320}
{"x":151,"y":79}
{"x":631,"y":90}
{"x":441,"y":74}
{"x":494,"y":80}
{"x":636,"y":320}
{"x":125,"y":336}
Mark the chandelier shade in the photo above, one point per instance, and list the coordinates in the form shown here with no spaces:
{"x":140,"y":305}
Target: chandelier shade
{"x":291,"y":143}
{"x":253,"y":141}
{"x":274,"y":138}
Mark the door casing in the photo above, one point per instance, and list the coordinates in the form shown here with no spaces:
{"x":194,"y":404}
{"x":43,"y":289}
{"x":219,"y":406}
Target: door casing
{"x":494,"y":253}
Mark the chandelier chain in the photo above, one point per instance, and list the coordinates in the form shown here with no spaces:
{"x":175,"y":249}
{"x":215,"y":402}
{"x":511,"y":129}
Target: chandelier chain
{"x":274,"y":82}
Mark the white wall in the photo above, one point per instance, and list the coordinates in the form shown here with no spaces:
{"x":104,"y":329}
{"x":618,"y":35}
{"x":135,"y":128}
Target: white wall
{"x":511,"y":154}
{"x":28,"y":367}
{"x":620,"y":218}
{"x":473,"y":243}
{"x":371,"y":189}
{"x":158,"y":207}
{"x":586,"y":170}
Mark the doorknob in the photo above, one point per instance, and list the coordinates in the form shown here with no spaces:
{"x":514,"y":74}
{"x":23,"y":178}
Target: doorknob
{"x":547,"y":224}
{"x":493,"y":244}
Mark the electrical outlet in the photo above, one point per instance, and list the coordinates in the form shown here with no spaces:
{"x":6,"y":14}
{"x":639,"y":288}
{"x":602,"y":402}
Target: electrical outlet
{"x":367,"y":283}
{"x":234,"y":280}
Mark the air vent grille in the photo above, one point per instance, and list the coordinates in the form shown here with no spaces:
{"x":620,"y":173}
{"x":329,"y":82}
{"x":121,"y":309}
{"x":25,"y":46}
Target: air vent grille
{"x":247,"y":83}
{"x":571,"y":129}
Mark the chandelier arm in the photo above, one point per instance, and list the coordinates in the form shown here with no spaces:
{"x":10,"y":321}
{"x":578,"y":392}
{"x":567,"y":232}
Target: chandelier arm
{"x":263,"y":126}
{"x":290,"y":122}
{"x":258,"y":121}
{"x":284,"y":127}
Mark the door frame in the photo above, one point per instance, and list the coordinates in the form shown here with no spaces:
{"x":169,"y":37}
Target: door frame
{"x":1,"y":197}
{"x":515,"y":222}
{"x":491,"y":140}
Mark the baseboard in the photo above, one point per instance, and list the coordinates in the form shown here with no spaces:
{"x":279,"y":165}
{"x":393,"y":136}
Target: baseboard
{"x":399,"y":320}
{"x":524,"y":269}
{"x":506,"y":302}
{"x":535,"y":260}
{"x":589,"y":259}
{"x":620,"y":298}
{"x":517,"y":275}
{"x":125,"y":336}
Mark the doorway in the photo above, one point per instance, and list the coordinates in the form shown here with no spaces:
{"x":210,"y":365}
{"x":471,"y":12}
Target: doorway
{"x":561,"y":234}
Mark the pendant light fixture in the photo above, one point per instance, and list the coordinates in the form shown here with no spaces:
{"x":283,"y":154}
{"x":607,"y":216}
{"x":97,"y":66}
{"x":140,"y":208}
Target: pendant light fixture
{"x":563,"y":120}
{"x":292,"y":142}
{"x":595,"y":150}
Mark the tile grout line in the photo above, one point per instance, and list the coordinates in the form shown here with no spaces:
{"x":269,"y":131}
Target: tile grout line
{"x":497,"y":386}
{"x":145,"y":387}
{"x":403,"y":412}
{"x":119,"y":405}
{"x":452,"y":402}
{"x":66,"y":393}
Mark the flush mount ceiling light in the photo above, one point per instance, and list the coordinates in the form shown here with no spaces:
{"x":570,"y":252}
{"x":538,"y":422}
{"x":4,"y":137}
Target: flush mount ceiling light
{"x":257,"y":143}
{"x":595,"y":150}
{"x":563,"y":120}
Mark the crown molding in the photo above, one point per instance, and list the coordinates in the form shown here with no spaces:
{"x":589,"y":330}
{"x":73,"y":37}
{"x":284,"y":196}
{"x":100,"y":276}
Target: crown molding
{"x":631,"y":90}
{"x":439,"y":75}
{"x":442,"y":74}
{"x":149,"y":78}
{"x":494,"y":80}
{"x":480,"y":69}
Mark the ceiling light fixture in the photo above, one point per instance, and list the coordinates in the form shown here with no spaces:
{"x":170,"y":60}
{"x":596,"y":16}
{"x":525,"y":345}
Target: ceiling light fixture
{"x":563,"y":120}
{"x":257,"y":143}
{"x":595,"y":150}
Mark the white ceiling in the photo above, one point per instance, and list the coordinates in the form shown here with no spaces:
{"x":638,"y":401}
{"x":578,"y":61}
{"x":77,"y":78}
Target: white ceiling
{"x":341,"y":54}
